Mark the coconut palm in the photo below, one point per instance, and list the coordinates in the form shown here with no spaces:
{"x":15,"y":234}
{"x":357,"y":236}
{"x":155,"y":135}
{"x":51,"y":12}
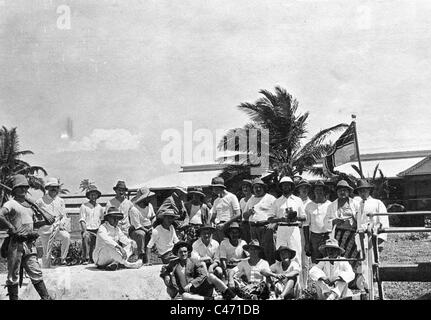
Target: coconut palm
{"x":85,"y":185}
{"x":11,"y":163}
{"x":288,"y":156}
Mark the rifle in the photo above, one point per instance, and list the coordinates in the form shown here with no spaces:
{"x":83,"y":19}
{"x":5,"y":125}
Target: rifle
{"x":39,"y":212}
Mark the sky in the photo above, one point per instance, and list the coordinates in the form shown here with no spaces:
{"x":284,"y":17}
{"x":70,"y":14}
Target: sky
{"x":127,"y":71}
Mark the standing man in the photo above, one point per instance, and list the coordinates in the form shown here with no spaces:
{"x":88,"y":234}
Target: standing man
{"x":121,"y":203}
{"x":287,"y":234}
{"x":54,"y":205}
{"x":245,"y":225}
{"x":317,"y":228}
{"x":225,"y":209}
{"x":369,"y":205}
{"x":303,"y":189}
{"x":141,"y":218}
{"x":91,"y":214}
{"x":18,"y":216}
{"x":175,"y":202}
{"x":259,"y":210}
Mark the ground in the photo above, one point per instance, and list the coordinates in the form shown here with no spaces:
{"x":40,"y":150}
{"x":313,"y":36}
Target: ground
{"x":86,"y":282}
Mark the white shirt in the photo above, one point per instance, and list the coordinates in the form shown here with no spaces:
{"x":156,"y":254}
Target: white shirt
{"x":282,"y":203}
{"x":262,"y":207}
{"x":277,"y":267}
{"x":203,"y":252}
{"x":228,"y":251}
{"x":225,"y":207}
{"x":252,"y":272}
{"x":55,"y":207}
{"x":124,"y":207}
{"x":340,"y":269}
{"x":317,"y":217}
{"x":368,"y":206}
{"x":195,"y":214}
{"x":91,"y":215}
{"x":109,"y":236}
{"x":141,"y":217}
{"x":163,"y":239}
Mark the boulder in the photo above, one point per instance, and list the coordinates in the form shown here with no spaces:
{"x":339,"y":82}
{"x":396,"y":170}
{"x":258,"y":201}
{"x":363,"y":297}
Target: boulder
{"x":89,"y":283}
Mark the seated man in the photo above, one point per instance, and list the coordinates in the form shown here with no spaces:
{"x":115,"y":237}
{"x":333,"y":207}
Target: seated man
{"x":205,"y":249}
{"x":231,"y":251}
{"x":141,"y":216}
{"x":286,"y":272}
{"x":248,"y":278}
{"x":164,"y":237}
{"x":332,"y":277}
{"x":194,"y":283}
{"x":113,"y":247}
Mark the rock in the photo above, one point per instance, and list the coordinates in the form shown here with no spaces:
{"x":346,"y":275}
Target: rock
{"x":86,"y":282}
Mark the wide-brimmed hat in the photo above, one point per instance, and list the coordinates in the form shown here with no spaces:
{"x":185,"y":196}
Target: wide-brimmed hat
{"x":258,"y":181}
{"x":142,"y":194}
{"x":218,"y":182}
{"x":168,"y":213}
{"x":331,"y":243}
{"x":207,"y":226}
{"x":120,"y":184}
{"x":19,"y":180}
{"x":92,"y":188}
{"x":233,"y":225}
{"x":179,"y":245}
{"x":181,"y":189}
{"x":52,"y":182}
{"x":198,"y":191}
{"x":113,"y":211}
{"x":363,"y":184}
{"x":246,"y":181}
{"x":254,"y":243}
{"x":281,"y":248}
{"x":320,"y":183}
{"x":286,"y":180}
{"x":303,"y":182}
{"x":343,"y":184}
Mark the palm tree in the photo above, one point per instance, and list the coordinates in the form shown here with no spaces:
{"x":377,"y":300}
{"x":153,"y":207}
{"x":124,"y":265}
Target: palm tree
{"x":278,"y":113}
{"x":85,"y":185}
{"x":11,"y":163}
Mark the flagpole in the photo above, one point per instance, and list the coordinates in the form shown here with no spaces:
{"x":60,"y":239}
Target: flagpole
{"x":357,"y":145}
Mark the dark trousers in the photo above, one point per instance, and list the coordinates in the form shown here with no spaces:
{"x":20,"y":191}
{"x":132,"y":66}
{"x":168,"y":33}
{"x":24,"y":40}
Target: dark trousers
{"x":265,"y":236}
{"x":316,"y":240}
{"x":245,"y":231}
{"x":88,"y":243}
{"x":141,"y":238}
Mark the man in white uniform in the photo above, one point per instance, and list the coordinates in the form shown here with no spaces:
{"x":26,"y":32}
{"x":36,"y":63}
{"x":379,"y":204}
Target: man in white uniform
{"x":52,"y":203}
{"x":303,"y":189}
{"x":368,"y":205}
{"x":289,"y":235}
{"x":113,"y":247}
{"x":245,"y":225}
{"x":121,"y":203}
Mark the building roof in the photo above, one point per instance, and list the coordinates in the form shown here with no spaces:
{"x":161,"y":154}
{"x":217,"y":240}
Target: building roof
{"x":420,"y":168}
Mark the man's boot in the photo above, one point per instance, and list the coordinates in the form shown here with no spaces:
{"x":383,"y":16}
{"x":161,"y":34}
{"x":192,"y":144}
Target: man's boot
{"x":41,"y":289}
{"x":12,"y":290}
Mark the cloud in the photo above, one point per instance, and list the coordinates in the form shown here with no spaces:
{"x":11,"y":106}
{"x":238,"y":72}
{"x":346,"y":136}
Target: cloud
{"x":104,"y":139}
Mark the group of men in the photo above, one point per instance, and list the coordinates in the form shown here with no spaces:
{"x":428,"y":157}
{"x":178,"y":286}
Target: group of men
{"x":244,"y":249}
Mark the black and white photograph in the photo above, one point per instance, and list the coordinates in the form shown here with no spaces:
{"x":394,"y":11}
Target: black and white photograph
{"x":217,"y":150}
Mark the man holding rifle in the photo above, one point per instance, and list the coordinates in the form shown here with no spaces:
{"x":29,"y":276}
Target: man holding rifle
{"x":19,"y":216}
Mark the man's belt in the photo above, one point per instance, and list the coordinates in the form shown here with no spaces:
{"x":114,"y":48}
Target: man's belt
{"x":258,"y":224}
{"x":285,"y":224}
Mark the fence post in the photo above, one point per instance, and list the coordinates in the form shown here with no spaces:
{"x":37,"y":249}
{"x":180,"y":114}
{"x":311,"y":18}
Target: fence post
{"x":370,"y":263}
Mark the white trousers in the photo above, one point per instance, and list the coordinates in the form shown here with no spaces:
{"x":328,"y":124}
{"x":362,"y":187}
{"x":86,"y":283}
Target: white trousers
{"x":340,"y":288}
{"x":108,"y":255}
{"x":64,"y":238}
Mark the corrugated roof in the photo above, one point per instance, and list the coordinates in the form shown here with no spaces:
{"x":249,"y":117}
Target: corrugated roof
{"x":192,"y":178}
